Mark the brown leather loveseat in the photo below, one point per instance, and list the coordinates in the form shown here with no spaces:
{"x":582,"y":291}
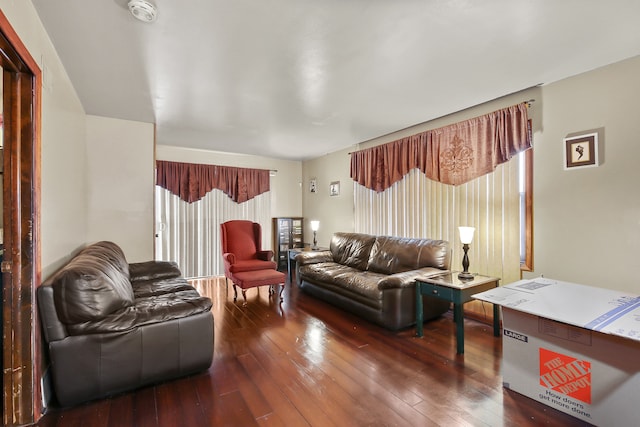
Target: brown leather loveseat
{"x":112,"y":326}
{"x":374,"y":276}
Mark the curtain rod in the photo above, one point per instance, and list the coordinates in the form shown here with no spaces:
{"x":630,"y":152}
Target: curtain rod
{"x":529,"y":102}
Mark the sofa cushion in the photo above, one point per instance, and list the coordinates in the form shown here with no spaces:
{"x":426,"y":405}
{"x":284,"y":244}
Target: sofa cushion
{"x":146,"y":311}
{"x":352,"y":249}
{"x":153,"y":270}
{"x":110,"y":253}
{"x":148,"y":288}
{"x":347,"y":281}
{"x":92,"y":285}
{"x":390,"y":255}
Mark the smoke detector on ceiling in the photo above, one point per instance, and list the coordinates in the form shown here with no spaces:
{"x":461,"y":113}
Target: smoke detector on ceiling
{"x":143,"y":10}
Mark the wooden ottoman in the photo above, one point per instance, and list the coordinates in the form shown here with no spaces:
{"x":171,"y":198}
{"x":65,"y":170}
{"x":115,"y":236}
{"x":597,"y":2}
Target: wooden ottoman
{"x":252,"y":279}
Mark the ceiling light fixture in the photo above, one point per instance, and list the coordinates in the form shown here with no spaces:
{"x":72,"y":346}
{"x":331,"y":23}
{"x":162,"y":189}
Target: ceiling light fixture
{"x":143,"y":10}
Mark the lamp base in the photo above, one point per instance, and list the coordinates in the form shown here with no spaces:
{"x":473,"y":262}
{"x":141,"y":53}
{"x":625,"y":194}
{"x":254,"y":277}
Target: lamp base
{"x":465,"y":275}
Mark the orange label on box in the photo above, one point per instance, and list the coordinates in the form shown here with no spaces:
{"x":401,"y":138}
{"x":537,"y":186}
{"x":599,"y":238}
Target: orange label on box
{"x":566,"y":374}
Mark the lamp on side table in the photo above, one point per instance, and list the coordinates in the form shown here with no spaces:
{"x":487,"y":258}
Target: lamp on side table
{"x":314,"y":226}
{"x":466,"y":237}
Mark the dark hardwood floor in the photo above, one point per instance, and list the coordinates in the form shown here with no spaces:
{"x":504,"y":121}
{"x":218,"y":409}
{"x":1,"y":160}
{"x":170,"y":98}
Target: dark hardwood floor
{"x":304,"y":363}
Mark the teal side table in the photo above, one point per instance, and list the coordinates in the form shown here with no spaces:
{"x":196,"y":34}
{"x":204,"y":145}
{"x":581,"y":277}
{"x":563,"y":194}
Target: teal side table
{"x":448,"y":287}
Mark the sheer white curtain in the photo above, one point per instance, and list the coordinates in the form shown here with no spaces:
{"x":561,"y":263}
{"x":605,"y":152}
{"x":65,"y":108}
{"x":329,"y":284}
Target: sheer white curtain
{"x":189,"y":233}
{"x":419,"y":207}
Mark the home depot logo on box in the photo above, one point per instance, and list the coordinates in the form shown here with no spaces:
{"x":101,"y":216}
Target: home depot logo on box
{"x":565,"y":374}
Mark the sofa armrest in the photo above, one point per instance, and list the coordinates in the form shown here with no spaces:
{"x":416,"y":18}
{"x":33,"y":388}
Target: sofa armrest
{"x":266,"y":255}
{"x":407,"y":278}
{"x":153,"y":270}
{"x":52,"y":328}
{"x":313,"y":257}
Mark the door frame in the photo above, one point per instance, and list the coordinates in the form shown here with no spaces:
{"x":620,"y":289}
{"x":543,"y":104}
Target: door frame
{"x":22,"y":354}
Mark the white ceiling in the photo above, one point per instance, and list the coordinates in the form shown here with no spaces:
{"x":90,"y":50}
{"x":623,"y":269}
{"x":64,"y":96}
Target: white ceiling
{"x":296,"y":79}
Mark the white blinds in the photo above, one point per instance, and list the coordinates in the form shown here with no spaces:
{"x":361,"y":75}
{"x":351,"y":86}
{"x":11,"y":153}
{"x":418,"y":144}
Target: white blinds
{"x":189,"y":233}
{"x":419,"y":207}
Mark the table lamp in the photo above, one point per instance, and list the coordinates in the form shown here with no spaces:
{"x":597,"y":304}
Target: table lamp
{"x":466,"y":237}
{"x":314,"y":226}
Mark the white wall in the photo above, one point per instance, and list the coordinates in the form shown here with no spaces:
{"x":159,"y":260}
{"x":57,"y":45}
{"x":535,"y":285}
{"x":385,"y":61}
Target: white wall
{"x":335,"y":213}
{"x":83,"y":199}
{"x":587,"y":221}
{"x":63,"y":160}
{"x":120,"y":183}
{"x":286,"y":198}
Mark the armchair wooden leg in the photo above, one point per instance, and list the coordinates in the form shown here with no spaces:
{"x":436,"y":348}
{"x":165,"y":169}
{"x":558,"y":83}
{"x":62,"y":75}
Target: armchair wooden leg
{"x":235,"y":293}
{"x":244,"y":295}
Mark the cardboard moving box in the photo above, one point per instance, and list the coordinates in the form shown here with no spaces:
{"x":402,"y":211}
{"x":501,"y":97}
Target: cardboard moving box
{"x":573,"y":347}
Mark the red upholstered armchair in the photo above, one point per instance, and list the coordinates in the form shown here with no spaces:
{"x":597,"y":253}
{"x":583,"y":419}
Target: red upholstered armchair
{"x":242,"y":248}
{"x":245,"y":263}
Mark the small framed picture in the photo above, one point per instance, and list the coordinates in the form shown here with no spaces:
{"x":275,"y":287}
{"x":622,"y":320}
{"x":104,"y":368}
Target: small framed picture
{"x":334,"y":188}
{"x":313,"y":185}
{"x":581,"y":151}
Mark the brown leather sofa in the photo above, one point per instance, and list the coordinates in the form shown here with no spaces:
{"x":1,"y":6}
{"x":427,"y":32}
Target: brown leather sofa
{"x":374,"y":276}
{"x":112,"y":326}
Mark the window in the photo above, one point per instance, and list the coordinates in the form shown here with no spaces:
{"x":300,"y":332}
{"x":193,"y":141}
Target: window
{"x":525,"y":160}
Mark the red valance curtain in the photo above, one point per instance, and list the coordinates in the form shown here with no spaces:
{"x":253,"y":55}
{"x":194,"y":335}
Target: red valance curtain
{"x":453,"y":154}
{"x":191,"y":181}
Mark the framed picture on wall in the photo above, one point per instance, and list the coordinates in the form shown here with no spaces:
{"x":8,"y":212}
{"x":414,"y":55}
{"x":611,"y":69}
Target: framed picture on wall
{"x":581,"y":151}
{"x":334,"y":188}
{"x":313,"y":185}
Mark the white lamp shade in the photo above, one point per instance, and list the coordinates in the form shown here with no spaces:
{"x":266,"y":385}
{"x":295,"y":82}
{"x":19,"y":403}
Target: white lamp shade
{"x":315,"y":225}
{"x":466,"y":234}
